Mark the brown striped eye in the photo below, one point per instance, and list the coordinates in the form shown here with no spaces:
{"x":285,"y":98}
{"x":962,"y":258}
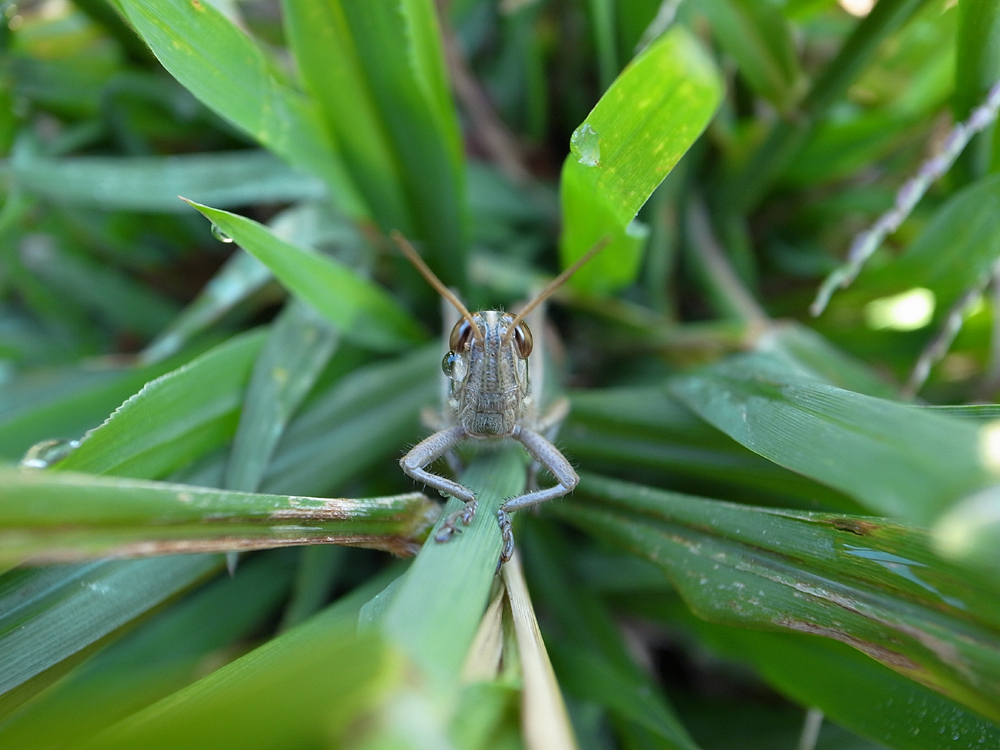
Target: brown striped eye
{"x":461,"y":335}
{"x":522,"y":340}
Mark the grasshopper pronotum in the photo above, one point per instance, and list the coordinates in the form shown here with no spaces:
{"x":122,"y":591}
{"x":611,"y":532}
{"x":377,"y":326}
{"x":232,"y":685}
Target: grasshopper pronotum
{"x":491,"y":398}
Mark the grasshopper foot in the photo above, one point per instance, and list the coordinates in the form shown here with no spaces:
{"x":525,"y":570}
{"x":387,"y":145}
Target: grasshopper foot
{"x":507,"y":534}
{"x":450,"y":526}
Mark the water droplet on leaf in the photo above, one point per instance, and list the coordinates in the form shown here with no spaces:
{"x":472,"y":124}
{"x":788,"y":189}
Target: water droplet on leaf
{"x":220,"y":235}
{"x":585,"y":145}
{"x":42,"y":455}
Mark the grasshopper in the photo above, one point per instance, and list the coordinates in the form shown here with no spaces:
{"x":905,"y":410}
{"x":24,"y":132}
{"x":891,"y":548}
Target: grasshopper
{"x":489,"y":397}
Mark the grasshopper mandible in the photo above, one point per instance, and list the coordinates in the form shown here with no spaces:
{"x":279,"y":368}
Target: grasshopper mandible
{"x":490,"y":397}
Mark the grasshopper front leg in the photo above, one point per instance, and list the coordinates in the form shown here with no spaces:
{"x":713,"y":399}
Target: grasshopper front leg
{"x":425,"y":453}
{"x":545,"y":453}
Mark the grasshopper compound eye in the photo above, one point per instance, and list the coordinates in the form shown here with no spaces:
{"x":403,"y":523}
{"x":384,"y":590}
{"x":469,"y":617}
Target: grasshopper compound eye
{"x":522,"y":340}
{"x":461,"y":335}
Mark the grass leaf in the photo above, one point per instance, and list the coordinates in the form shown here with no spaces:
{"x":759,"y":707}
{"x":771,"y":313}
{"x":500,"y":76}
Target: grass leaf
{"x":628,"y":143}
{"x":362,"y":310}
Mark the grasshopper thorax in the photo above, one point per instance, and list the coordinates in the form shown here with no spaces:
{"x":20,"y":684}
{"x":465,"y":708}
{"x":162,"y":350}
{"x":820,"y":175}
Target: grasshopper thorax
{"x":488,"y":372}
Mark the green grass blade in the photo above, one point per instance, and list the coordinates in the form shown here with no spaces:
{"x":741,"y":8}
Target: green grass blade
{"x":434,"y":614}
{"x":589,"y":654}
{"x":230,"y":74}
{"x":372,"y":412}
{"x":957,"y":248}
{"x":852,"y":690}
{"x":637,"y":132}
{"x":320,"y":566}
{"x":376,"y":71}
{"x":298,"y":347}
{"x":101,"y":290}
{"x":787,"y":137}
{"x":977,"y":64}
{"x":895,"y":459}
{"x":305,"y":688}
{"x":171,"y":647}
{"x":173,"y":419}
{"x":226,"y":179}
{"x":362,"y":310}
{"x":49,"y":614}
{"x":43,"y":406}
{"x":867,"y":582}
{"x":239,"y":277}
{"x":58,"y":516}
{"x":759,"y":38}
{"x":332,"y":72}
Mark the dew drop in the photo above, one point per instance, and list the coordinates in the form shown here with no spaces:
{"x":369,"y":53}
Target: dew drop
{"x":586,"y":146}
{"x":220,"y":235}
{"x":42,"y":455}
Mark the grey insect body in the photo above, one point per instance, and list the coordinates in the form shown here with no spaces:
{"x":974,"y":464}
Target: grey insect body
{"x":490,"y":397}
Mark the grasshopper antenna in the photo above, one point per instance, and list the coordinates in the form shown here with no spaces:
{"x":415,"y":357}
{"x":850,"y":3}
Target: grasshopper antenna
{"x":557,"y":282}
{"x":411,"y":255}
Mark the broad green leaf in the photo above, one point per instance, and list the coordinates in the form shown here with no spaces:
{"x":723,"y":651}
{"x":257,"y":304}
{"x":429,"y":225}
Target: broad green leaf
{"x":759,"y":38}
{"x":866,"y":582}
{"x":298,"y":347}
{"x":58,"y":516}
{"x":895,"y":459}
{"x":230,"y":74}
{"x":314,"y":685}
{"x":49,"y":614}
{"x":171,"y":647}
{"x":226,"y":178}
{"x":956,"y":249}
{"x":628,"y":143}
{"x":977,"y":63}
{"x":376,"y":70}
{"x":174,"y":419}
{"x":851,"y":689}
{"x":362,"y":310}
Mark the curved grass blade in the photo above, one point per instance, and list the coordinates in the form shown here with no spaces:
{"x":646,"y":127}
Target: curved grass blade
{"x":298,"y":347}
{"x":171,"y":647}
{"x":230,"y":74}
{"x":362,"y":310}
{"x":628,"y":143}
{"x":62,"y":516}
{"x":226,"y":179}
{"x":173,"y":419}
{"x":869,"y":583}
{"x":895,"y":459}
